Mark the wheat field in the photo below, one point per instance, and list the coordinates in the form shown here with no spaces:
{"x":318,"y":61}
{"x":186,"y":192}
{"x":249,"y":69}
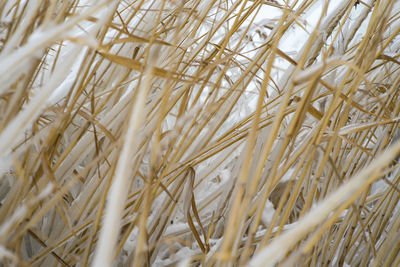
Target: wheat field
{"x":199,"y":133}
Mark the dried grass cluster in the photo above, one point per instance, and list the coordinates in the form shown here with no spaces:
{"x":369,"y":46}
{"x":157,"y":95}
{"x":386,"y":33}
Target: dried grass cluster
{"x":165,"y":132}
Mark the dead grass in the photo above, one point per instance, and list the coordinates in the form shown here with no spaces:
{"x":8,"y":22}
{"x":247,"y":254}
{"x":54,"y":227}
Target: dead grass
{"x":157,"y":133}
